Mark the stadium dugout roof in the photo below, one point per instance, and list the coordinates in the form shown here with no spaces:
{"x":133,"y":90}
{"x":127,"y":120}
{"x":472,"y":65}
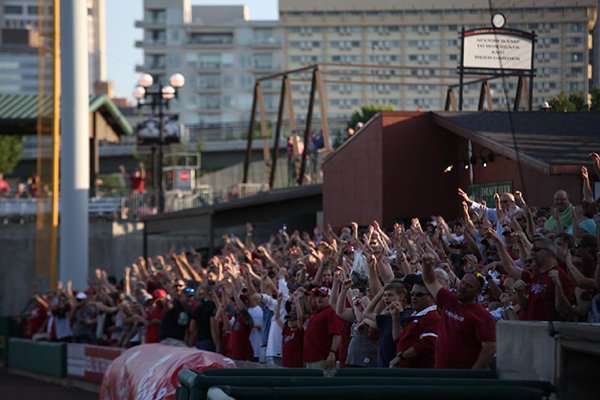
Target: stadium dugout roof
{"x":551,"y":142}
{"x":19,"y":114}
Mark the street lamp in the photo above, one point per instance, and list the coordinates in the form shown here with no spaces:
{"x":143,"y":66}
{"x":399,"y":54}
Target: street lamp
{"x":160,"y":99}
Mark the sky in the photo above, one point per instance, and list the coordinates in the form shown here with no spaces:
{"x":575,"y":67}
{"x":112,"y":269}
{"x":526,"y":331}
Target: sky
{"x":121,"y":54}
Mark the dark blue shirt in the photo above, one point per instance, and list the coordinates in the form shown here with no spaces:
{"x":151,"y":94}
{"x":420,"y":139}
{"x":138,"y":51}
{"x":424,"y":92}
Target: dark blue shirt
{"x":386,"y":348}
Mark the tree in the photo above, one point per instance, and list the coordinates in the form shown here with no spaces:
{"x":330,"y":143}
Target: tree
{"x":366,"y":113}
{"x":571,"y":102}
{"x":11,"y":151}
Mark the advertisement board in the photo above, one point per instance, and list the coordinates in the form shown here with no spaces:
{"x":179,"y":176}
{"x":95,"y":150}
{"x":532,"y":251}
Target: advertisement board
{"x":498,"y":49}
{"x":485,"y":192}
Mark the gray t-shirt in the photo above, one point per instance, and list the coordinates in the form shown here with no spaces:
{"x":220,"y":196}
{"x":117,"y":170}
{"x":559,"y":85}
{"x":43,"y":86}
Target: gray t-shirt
{"x":362,"y":351}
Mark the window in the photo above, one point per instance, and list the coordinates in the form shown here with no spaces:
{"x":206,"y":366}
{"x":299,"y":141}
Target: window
{"x":576,"y":57}
{"x":157,"y":16}
{"x":33,"y":10}
{"x":13,"y":10}
{"x":263,"y":60}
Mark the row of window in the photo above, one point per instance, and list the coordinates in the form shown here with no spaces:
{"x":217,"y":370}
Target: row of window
{"x":11,"y":9}
{"x":423,"y":13}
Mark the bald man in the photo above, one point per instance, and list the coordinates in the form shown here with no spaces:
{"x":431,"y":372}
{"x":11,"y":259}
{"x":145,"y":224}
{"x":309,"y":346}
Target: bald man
{"x":565,"y":211}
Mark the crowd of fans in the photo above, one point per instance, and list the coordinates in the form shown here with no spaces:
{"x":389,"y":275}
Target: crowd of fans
{"x":423,"y":294}
{"x":33,"y":187}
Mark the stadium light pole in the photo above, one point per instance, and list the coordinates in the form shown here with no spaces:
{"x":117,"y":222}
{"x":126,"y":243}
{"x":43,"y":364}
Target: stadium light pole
{"x":159,"y":100}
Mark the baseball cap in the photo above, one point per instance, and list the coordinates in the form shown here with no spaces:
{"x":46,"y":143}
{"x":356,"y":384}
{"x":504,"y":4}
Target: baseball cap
{"x":81,"y":296}
{"x":159,"y":294}
{"x":189,"y":292}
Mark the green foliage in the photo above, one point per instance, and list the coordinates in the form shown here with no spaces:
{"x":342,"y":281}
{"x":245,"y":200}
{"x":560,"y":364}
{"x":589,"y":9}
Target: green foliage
{"x":111,"y":182}
{"x":572,"y":102}
{"x":11,"y":151}
{"x":595,"y":94}
{"x":366,"y":113}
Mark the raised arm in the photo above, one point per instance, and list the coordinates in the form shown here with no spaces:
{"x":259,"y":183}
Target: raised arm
{"x":374,"y":306}
{"x":344,"y":313}
{"x":507,"y":262}
{"x":429,"y":278}
{"x":588,"y":194}
{"x":561,"y":303}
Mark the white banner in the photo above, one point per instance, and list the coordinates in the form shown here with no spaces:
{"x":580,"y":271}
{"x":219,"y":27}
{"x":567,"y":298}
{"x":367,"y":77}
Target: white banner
{"x":497,"y":49}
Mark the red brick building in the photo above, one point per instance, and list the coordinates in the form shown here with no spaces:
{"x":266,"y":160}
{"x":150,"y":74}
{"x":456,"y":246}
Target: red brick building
{"x":393,"y":168}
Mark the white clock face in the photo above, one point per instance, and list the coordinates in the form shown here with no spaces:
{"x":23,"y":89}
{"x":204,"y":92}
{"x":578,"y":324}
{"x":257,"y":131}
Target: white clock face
{"x":498,"y":20}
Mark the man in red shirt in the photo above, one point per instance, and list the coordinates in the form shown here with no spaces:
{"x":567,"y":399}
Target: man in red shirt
{"x":322,"y":332}
{"x":467,"y":331}
{"x":416,"y":344}
{"x":550,"y":291}
{"x":154,"y":315}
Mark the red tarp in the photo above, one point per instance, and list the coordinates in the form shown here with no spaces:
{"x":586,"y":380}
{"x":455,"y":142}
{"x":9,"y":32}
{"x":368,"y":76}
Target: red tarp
{"x":150,"y":371}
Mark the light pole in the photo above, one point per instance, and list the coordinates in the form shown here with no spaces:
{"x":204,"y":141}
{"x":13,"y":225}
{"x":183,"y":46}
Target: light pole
{"x":160,"y":99}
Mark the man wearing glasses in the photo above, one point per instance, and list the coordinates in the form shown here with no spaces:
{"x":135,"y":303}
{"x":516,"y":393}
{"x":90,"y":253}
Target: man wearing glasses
{"x":467,"y":331}
{"x":550,"y":291}
{"x":416,"y":344}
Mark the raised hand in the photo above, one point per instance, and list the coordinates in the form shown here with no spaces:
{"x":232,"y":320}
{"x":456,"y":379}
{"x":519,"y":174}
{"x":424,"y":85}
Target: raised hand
{"x":464,"y":196}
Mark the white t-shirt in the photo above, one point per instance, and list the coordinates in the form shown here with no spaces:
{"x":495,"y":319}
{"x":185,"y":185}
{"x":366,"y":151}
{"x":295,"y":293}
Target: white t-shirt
{"x":63,"y":327}
{"x":275,"y":339}
{"x":255,"y":337}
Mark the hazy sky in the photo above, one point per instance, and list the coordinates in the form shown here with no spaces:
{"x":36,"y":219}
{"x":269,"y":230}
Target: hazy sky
{"x":121,"y":54}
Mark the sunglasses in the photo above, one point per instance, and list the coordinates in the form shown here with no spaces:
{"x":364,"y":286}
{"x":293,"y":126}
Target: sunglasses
{"x":578,"y":245}
{"x":538,"y":249}
{"x":419,"y":294}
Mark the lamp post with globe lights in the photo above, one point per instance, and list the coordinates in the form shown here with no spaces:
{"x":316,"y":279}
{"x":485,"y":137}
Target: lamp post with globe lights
{"x":159,"y":99}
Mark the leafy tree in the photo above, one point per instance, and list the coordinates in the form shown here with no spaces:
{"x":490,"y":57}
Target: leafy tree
{"x":11,"y":151}
{"x":571,"y":102}
{"x":366,"y":112}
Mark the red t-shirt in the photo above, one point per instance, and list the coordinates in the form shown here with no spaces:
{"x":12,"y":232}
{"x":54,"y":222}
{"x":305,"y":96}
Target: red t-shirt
{"x":152,"y":331}
{"x":240,"y":347}
{"x":462,"y":329}
{"x":319,"y":330}
{"x":293,"y":342}
{"x":421,"y":332}
{"x":541,"y":295}
{"x":36,"y":317}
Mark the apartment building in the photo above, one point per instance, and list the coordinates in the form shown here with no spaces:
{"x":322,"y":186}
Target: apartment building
{"x":422,"y":37}
{"x":21,"y":34}
{"x":221,"y":54}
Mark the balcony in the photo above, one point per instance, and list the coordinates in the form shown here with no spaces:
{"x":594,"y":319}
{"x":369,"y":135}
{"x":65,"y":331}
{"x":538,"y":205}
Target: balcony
{"x":150,"y":43}
{"x":150,"y":23}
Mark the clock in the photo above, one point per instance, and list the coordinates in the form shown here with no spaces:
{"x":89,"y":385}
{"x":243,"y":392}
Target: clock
{"x":498,"y":20}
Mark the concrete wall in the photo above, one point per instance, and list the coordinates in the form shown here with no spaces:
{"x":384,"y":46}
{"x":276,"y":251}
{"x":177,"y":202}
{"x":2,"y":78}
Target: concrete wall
{"x":112,"y":246}
{"x":569,"y":359}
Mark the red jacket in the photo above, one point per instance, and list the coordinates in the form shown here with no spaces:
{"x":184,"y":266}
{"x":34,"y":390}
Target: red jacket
{"x":420,"y":331}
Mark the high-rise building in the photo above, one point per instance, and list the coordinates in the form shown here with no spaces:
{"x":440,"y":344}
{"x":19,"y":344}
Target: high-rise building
{"x":221,"y":54}
{"x":422,"y":37}
{"x":21,"y":34}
